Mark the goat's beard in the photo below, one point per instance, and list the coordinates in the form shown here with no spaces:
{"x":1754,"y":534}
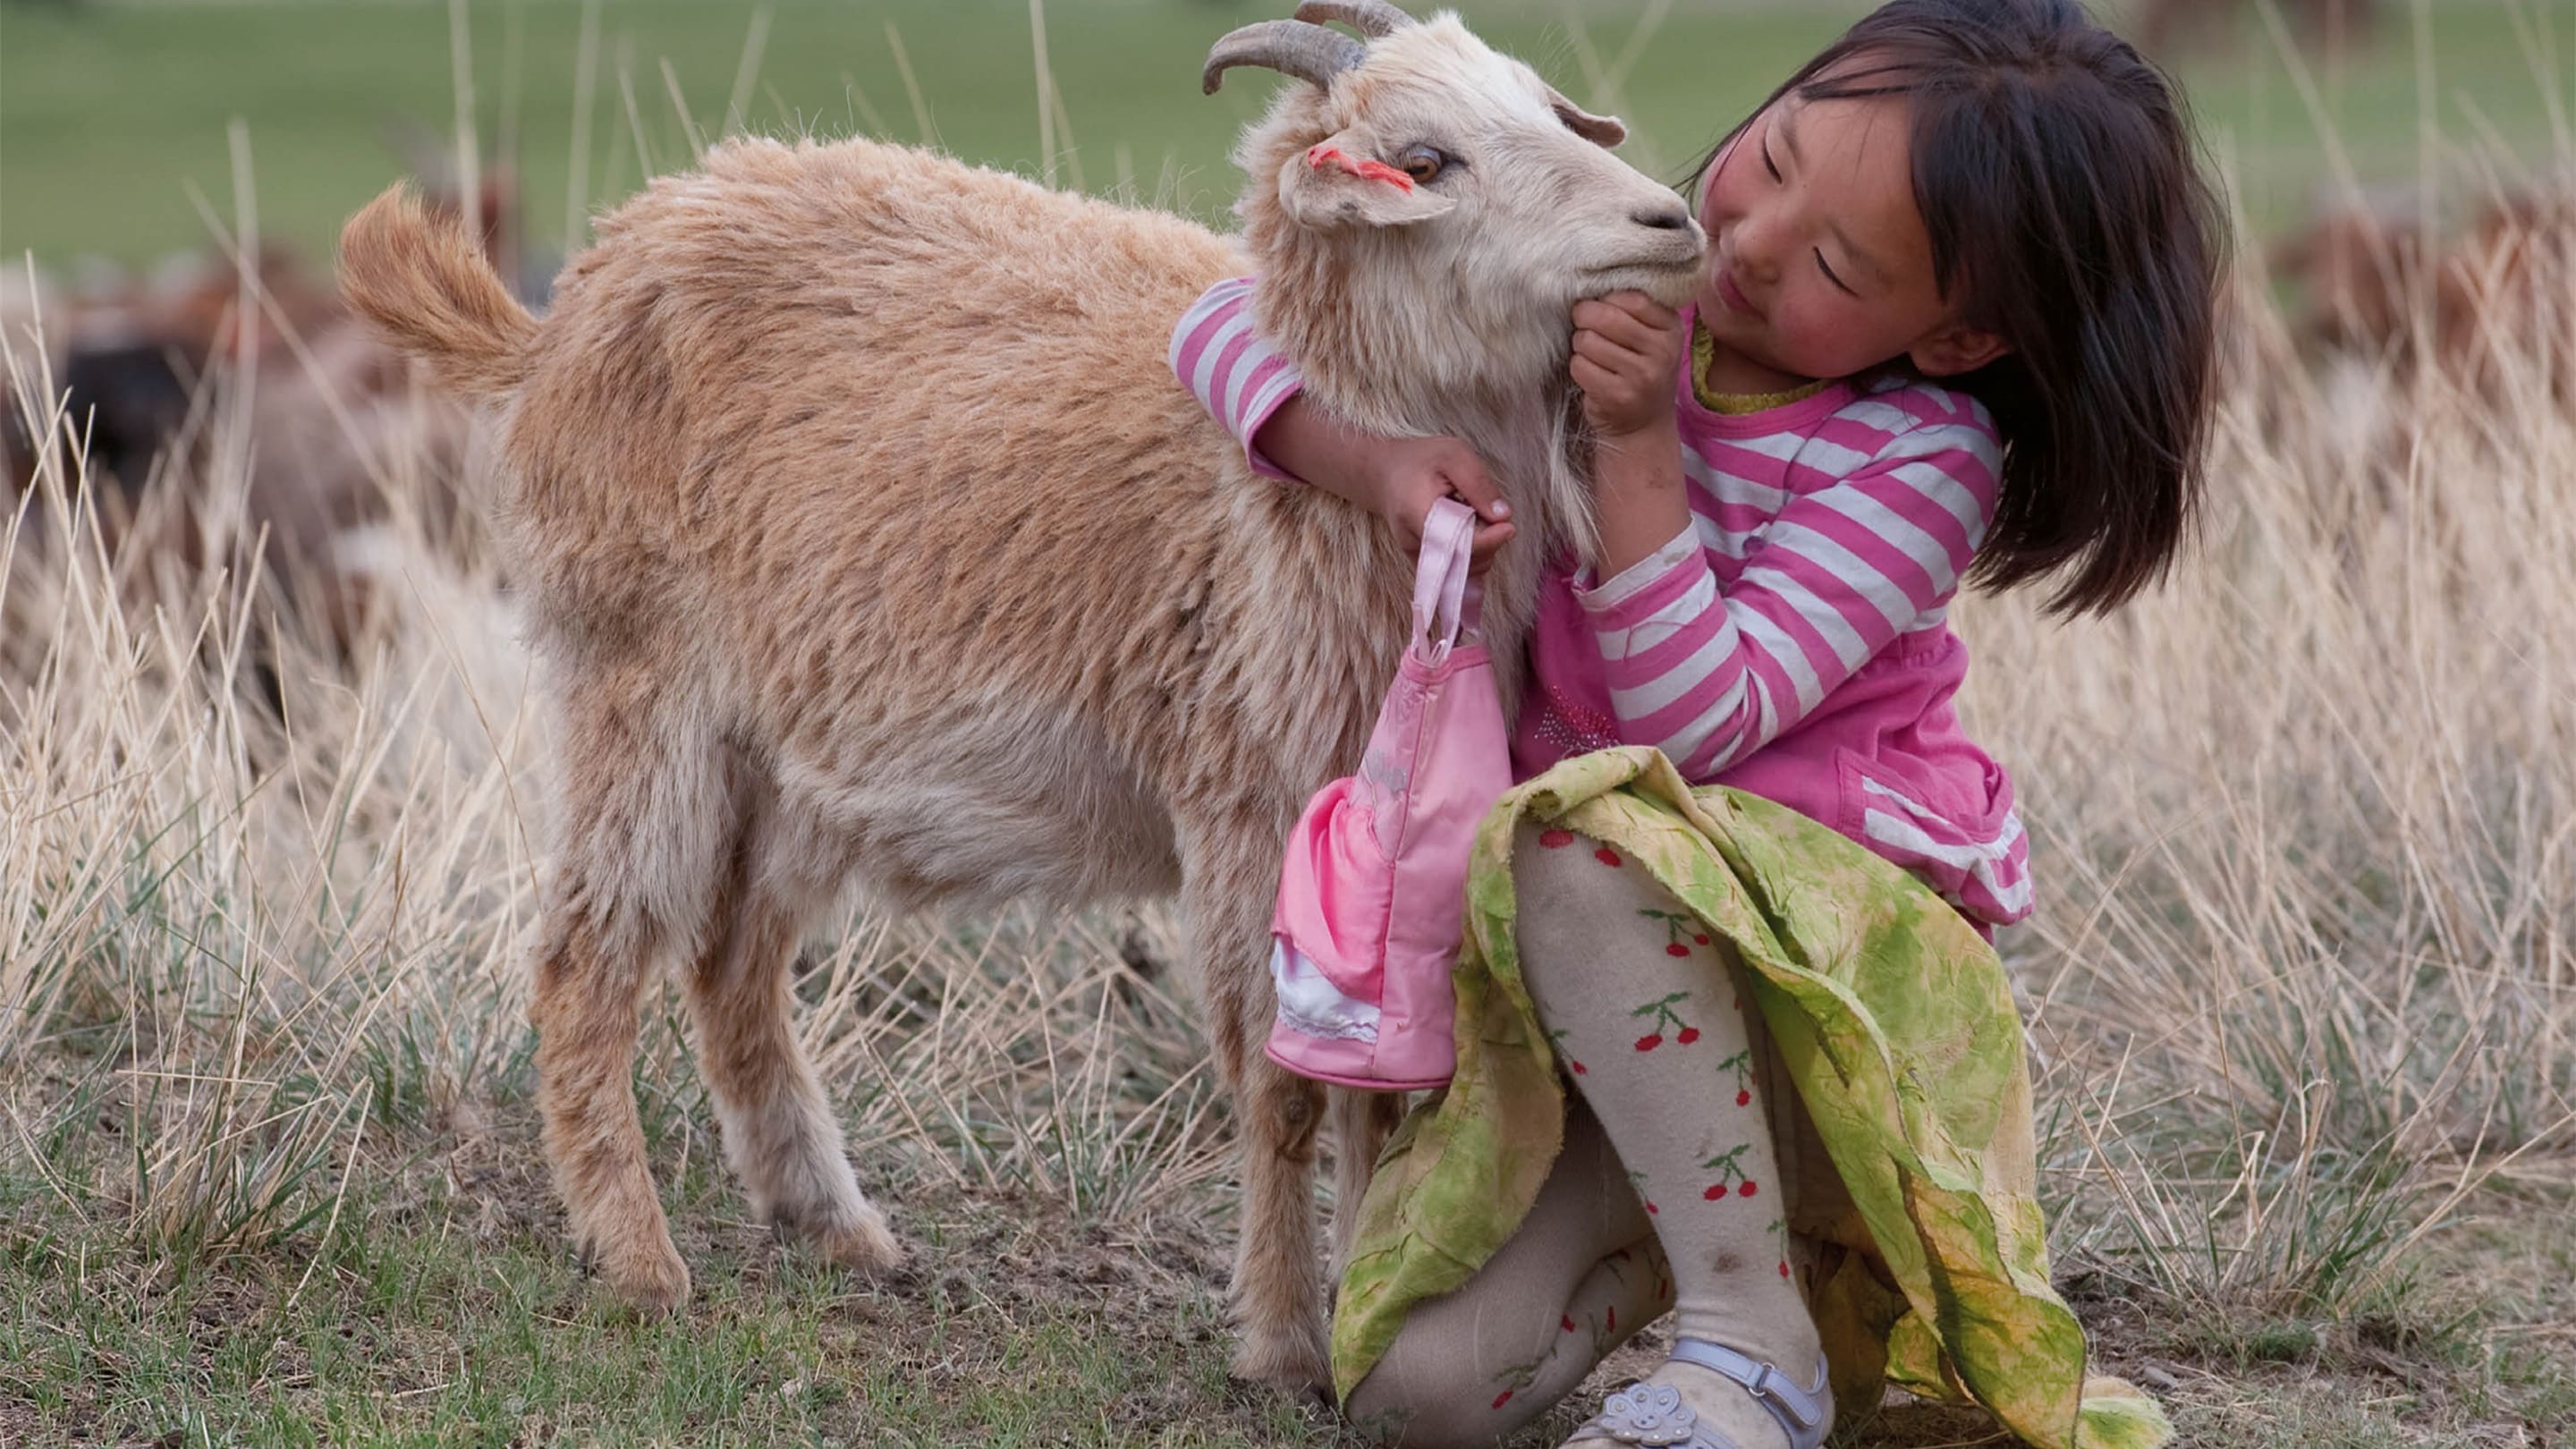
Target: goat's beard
{"x":1574,"y":449}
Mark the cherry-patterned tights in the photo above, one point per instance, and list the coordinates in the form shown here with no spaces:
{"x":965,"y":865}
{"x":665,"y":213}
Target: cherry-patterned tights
{"x":1668,"y":1191}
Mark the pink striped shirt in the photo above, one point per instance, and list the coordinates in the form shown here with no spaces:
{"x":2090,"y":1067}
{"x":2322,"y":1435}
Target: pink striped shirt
{"x":1793,"y":641}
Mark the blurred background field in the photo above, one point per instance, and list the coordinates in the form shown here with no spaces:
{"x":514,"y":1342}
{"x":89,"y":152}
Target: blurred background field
{"x":2301,"y":990}
{"x":108,"y":110}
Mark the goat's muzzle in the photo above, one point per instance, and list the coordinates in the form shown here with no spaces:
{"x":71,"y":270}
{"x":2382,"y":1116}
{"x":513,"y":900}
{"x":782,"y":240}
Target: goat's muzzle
{"x":1664,"y":264}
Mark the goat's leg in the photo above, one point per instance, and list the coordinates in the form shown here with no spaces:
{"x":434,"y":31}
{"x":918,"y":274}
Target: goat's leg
{"x":1278,"y":1294}
{"x":1360,"y":1122}
{"x":585,"y":1005}
{"x":779,"y":1131}
{"x":643,"y":815}
{"x":1227,"y":896}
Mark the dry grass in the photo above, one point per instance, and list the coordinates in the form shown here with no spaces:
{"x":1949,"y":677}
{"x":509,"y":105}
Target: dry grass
{"x":2302,"y":991}
{"x":2308,"y":972}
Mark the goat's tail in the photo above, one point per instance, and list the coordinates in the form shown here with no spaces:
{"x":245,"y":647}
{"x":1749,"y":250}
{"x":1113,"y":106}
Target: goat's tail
{"x":430,"y":291}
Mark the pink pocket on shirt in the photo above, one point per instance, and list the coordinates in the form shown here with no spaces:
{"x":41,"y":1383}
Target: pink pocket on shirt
{"x":1970,"y":850}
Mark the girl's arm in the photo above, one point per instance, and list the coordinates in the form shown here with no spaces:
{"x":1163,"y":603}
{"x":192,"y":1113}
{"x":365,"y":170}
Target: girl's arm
{"x":1257,"y":395}
{"x":1229,"y":369}
{"x":1640,"y":503}
{"x":1708,"y":675}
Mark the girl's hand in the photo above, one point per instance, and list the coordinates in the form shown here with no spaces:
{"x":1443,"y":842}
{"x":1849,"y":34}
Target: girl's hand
{"x":1396,"y":478}
{"x":1411,"y":474}
{"x":1627,"y":355}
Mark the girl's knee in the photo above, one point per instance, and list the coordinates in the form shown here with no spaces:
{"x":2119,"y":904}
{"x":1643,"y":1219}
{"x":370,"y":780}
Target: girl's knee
{"x":1415,"y":1410}
{"x":1436,"y":1386}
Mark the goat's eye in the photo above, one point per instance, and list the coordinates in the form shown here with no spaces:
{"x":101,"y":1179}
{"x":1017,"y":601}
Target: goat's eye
{"x":1424,"y":162}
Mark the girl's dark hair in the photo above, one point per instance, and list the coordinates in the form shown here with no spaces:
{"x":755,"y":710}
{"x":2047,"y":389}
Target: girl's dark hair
{"x":2053,"y":168}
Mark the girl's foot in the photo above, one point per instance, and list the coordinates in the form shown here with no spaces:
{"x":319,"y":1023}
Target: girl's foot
{"x":1708,"y":1396}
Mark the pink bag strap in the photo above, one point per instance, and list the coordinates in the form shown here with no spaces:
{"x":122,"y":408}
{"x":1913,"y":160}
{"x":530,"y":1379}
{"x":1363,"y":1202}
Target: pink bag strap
{"x":1440,"y":577}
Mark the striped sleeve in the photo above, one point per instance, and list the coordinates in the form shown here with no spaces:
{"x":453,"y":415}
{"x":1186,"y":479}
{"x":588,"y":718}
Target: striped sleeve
{"x":1710,"y":675}
{"x":1227,"y":366}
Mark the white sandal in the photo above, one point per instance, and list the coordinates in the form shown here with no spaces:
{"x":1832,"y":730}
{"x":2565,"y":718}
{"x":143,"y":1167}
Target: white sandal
{"x":1653,"y":1415}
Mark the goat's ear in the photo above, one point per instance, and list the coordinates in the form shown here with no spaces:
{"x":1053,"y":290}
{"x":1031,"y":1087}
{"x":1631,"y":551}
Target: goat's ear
{"x":1603,"y":131}
{"x":1339,"y":183}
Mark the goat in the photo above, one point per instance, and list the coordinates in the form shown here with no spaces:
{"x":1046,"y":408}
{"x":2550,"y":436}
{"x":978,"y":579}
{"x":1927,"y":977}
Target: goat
{"x":2378,"y":283}
{"x":137,"y":366}
{"x":2334,"y":28}
{"x":865,"y":535}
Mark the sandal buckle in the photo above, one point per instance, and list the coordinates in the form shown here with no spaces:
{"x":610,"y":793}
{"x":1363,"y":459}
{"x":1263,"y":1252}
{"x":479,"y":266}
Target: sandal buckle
{"x":1788,"y":1397}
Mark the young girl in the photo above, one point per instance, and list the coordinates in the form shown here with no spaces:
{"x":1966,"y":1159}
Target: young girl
{"x":1955,"y":323}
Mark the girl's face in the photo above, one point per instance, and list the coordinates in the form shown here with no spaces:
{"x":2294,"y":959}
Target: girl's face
{"x":1818,"y":262}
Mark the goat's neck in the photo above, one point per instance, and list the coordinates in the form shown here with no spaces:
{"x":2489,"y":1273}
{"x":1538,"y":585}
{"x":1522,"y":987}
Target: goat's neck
{"x":1372,"y":365}
{"x":1383,"y":365}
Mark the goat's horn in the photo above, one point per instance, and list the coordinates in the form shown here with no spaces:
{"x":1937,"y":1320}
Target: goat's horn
{"x":1372,"y":18}
{"x":1292,"y":47}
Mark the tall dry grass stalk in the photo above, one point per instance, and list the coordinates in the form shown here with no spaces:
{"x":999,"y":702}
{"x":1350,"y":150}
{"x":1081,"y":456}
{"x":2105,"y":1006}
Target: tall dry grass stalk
{"x":2304,"y":822}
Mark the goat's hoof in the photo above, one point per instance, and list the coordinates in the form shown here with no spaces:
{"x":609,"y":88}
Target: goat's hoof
{"x":860,"y":1240}
{"x":648,"y":1277}
{"x":1289,"y":1361}
{"x":866,"y":1245}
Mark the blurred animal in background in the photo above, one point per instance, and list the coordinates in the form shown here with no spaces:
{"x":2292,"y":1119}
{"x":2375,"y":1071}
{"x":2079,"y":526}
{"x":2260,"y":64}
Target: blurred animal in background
{"x":2394,"y":322}
{"x":2374,"y":280}
{"x":128,"y":354}
{"x":2332,"y":28}
{"x":216,"y":404}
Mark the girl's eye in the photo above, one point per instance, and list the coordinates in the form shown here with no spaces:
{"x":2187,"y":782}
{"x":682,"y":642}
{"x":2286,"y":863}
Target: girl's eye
{"x":1827,"y":268}
{"x":1767,"y":163}
{"x":1423,"y":162}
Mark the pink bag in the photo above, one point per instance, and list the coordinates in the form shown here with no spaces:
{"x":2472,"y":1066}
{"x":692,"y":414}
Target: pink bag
{"x":1371,"y":900}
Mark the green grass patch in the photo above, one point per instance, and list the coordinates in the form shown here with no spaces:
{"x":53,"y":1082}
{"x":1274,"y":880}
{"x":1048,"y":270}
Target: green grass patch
{"x":442,"y":1309}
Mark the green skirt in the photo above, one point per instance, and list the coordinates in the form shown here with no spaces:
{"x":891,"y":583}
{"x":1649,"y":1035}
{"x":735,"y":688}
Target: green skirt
{"x":1893,"y":1017}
